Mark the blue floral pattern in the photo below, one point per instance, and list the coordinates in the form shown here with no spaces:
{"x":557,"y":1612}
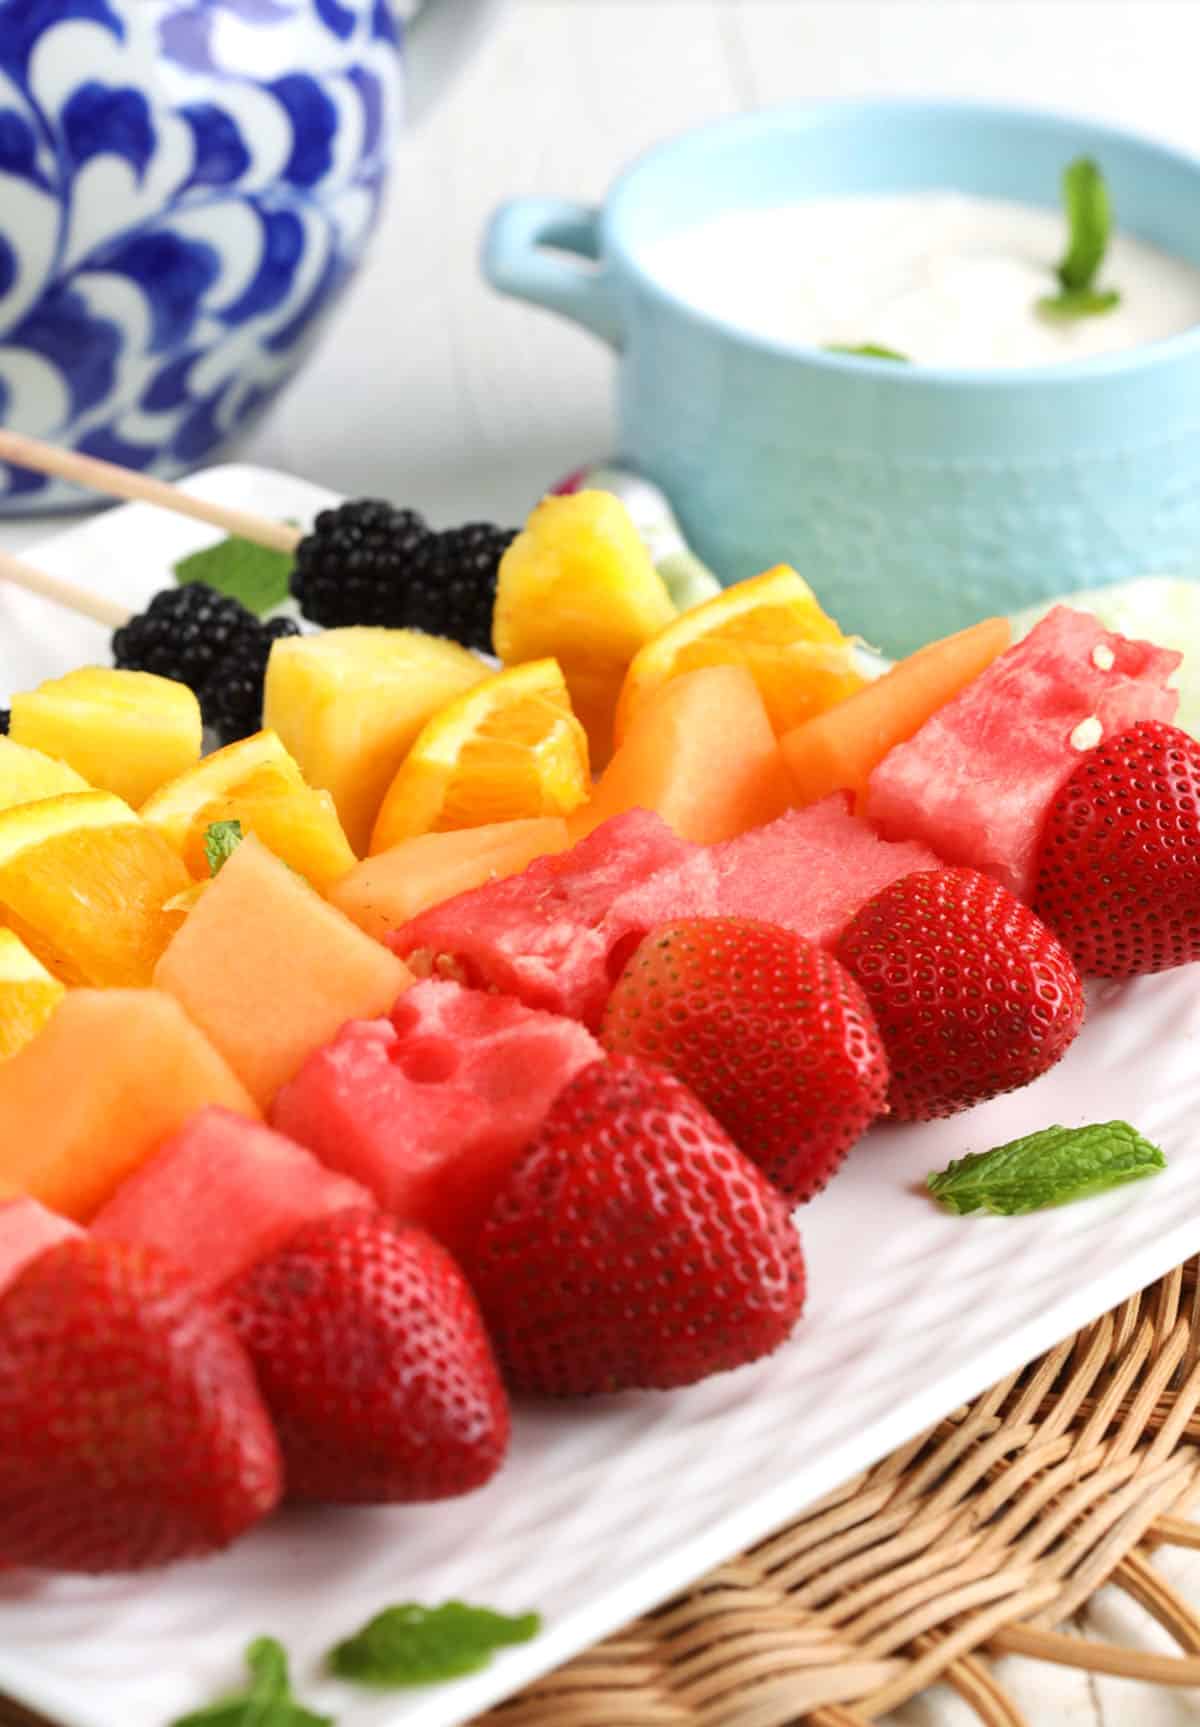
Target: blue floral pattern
{"x":185,"y":188}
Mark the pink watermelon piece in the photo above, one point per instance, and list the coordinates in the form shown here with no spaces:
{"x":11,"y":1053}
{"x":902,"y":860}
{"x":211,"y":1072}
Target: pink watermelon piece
{"x":809,"y":870}
{"x":976,"y":781}
{"x":26,"y":1230}
{"x":543,"y":935}
{"x":429,"y":1108}
{"x":221,"y":1194}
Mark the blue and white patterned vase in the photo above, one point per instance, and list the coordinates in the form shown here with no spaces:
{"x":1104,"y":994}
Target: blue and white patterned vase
{"x":185,"y":188}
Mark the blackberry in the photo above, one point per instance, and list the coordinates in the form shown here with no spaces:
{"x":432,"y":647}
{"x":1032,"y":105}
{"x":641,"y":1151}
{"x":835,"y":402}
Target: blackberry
{"x":212,"y":643}
{"x":353,"y":567}
{"x":452,"y":586}
{"x":4,"y":718}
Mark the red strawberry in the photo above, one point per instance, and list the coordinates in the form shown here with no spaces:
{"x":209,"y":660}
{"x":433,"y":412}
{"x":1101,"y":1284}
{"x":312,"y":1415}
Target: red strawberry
{"x":769,"y":1031}
{"x":972,"y":993}
{"x":374,"y":1363}
{"x":633,"y":1244}
{"x":131,"y":1429}
{"x":1118,"y":876}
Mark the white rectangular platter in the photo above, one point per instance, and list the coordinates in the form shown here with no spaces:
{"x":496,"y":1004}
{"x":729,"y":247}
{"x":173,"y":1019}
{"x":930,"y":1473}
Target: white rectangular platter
{"x":606,"y":1508}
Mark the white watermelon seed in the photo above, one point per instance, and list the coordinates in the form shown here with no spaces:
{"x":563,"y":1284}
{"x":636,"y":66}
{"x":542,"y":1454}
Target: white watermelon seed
{"x":1087,"y":734}
{"x":1103,"y":657}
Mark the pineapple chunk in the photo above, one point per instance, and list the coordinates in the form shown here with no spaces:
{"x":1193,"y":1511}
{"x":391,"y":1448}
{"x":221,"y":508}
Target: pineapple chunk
{"x":27,"y":776}
{"x":125,"y":732}
{"x":348,"y":704}
{"x":578,"y":586}
{"x":28,"y":995}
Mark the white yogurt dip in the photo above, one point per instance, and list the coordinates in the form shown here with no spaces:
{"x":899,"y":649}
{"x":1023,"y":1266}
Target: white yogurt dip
{"x":942,"y":278}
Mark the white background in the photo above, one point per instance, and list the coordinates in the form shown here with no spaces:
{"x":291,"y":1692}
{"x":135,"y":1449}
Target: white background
{"x":432,"y":391}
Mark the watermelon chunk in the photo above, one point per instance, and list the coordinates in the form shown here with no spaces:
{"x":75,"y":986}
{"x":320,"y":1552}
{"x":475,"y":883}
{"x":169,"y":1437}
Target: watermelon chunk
{"x":809,"y":870}
{"x":544,"y":935}
{"x":976,"y":780}
{"x":429,"y":1109}
{"x":26,"y":1230}
{"x":221,"y":1194}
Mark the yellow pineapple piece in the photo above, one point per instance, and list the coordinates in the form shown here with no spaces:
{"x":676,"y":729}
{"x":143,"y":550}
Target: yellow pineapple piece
{"x":348,"y":704}
{"x":254,"y":782}
{"x":578,"y":586}
{"x":28,"y":994}
{"x":27,"y":775}
{"x":85,"y":885}
{"x":125,"y":732}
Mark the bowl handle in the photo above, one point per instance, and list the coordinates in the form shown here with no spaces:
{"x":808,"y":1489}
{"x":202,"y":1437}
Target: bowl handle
{"x":517,"y":262}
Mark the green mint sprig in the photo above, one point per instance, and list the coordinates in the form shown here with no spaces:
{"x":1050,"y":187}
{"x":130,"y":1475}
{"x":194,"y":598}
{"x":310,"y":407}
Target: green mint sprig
{"x":414,"y":1645}
{"x":268,"y":1700}
{"x":1089,"y":225}
{"x":257,"y":576}
{"x":867,"y":351}
{"x":221,"y":840}
{"x":1051,"y":1167}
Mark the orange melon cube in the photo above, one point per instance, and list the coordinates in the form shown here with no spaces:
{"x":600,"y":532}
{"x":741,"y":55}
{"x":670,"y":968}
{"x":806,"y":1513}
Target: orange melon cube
{"x":107,"y":1079}
{"x":269,"y":971}
{"x":839,"y":750}
{"x":701,"y":753}
{"x":385,"y":891}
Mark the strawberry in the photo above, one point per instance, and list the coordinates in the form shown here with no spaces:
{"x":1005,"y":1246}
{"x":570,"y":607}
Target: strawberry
{"x":972,"y":993}
{"x":633,"y":1244}
{"x":131,"y":1429}
{"x":374,"y":1363}
{"x":1118,"y":872}
{"x":769,"y":1031}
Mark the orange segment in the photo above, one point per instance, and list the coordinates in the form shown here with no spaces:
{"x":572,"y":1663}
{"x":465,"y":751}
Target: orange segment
{"x":383,"y":892}
{"x":578,"y":584}
{"x":701,"y":754}
{"x":26,"y":776}
{"x":84,"y":884}
{"x":125,"y":732}
{"x":510,"y":748}
{"x":257,"y":783}
{"x":839,"y":750}
{"x":772,"y":625}
{"x":28,"y":994}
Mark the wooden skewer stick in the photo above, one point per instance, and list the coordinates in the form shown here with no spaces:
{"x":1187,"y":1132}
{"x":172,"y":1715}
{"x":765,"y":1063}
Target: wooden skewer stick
{"x":21,"y":575}
{"x":117,"y":482}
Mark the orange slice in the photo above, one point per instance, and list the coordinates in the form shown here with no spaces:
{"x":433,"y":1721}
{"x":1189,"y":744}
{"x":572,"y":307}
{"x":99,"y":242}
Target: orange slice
{"x":125,"y":732}
{"x":84,"y":883}
{"x":579,"y":584}
{"x":509,"y":749}
{"x":774,"y":626}
{"x":27,"y":775}
{"x":28,"y":994}
{"x":255,"y":782}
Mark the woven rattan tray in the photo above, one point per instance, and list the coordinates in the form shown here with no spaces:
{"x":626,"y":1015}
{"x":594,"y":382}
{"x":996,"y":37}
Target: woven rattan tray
{"x":984,"y":1535}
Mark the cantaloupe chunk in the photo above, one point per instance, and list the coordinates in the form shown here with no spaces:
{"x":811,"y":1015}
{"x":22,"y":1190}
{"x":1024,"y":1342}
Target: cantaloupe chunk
{"x":700,"y":752}
{"x":383,"y":892}
{"x":268,"y":970}
{"x":838,"y":750}
{"x":110,"y":1075}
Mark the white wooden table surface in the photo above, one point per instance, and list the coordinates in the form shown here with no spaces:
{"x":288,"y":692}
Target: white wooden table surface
{"x":432,"y":391}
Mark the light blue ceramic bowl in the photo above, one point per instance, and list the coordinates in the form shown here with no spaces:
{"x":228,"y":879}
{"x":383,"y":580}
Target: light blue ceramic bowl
{"x":915,"y":499}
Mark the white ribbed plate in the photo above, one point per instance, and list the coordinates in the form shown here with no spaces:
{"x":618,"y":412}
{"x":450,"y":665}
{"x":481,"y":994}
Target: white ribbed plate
{"x":606,"y":1508}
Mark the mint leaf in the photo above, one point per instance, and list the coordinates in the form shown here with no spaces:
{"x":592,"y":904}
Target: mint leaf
{"x":414,"y":1645}
{"x":867,"y":351}
{"x":1079,"y":303}
{"x":1089,"y":223}
{"x":1051,"y":1167}
{"x":221,"y":840}
{"x":267,"y":1703}
{"x":255,"y":575}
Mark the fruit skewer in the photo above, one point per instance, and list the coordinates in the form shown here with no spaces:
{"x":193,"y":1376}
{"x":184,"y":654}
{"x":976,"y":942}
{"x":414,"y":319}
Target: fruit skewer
{"x":116,"y":482}
{"x":18,"y":574}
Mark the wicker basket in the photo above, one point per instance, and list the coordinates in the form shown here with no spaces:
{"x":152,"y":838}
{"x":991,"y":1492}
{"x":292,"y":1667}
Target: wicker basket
{"x":982,"y":1536}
